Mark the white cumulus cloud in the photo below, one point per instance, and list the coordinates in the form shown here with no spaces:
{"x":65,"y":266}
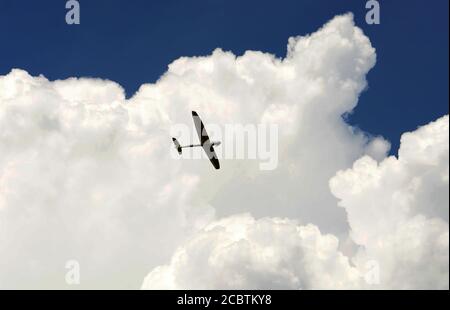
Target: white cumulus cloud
{"x":240,"y":252}
{"x":86,"y":175}
{"x":398,"y":215}
{"x":398,"y":209}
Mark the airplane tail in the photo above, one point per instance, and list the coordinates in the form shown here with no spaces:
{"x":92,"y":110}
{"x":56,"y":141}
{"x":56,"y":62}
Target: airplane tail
{"x":177,"y":145}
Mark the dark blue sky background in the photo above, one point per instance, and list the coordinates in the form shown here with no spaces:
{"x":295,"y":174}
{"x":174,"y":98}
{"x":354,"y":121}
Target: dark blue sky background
{"x":132,"y":42}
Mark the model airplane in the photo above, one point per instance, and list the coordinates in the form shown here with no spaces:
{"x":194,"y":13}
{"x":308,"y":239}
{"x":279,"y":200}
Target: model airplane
{"x":205,"y":143}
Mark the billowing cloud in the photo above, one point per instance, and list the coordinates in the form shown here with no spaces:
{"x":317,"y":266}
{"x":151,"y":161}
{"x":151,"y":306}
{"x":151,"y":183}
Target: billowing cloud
{"x":398,"y":215}
{"x":240,"y":252}
{"x":80,"y":180}
{"x":398,"y":209}
{"x":86,"y":175}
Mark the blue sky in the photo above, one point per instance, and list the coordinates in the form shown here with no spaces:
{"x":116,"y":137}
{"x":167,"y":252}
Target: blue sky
{"x":132,"y":42}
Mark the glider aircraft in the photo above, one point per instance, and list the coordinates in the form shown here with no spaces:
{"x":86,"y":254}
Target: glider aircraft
{"x":205,"y":143}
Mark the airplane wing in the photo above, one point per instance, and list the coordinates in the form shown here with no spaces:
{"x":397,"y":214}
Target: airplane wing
{"x":201,"y":131}
{"x":208,"y":147}
{"x":209,"y":150}
{"x":215,"y":162}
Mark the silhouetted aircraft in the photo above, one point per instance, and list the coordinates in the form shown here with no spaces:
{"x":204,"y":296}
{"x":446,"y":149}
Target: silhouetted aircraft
{"x":205,"y":143}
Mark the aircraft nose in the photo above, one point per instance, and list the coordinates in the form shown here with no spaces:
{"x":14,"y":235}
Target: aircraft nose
{"x":194,"y":113}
